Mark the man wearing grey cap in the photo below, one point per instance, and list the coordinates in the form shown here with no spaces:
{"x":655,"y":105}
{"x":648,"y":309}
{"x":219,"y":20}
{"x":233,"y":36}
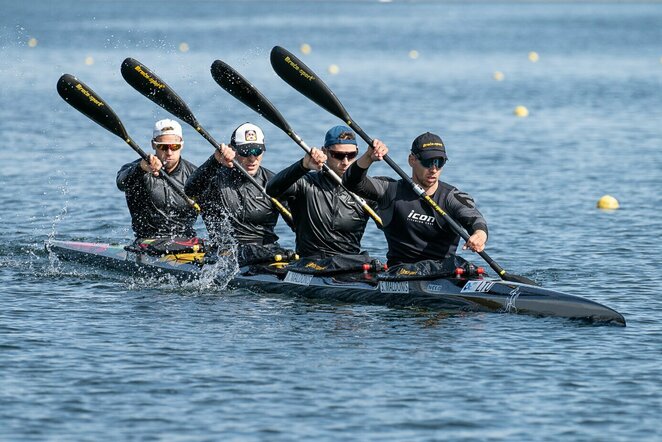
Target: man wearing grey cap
{"x":156,"y":210}
{"x":412,"y":229}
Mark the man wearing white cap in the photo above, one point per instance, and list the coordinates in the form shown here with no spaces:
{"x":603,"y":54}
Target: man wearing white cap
{"x":156,"y":210}
{"x":224,"y":194}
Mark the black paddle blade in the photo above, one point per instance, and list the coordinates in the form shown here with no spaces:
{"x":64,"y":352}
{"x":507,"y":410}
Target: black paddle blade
{"x":244,"y":91}
{"x":151,"y":86}
{"x":82,"y":98}
{"x":295,"y":73}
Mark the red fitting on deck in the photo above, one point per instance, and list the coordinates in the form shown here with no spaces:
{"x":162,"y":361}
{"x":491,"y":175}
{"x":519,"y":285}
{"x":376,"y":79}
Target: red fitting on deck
{"x":480,"y":270}
{"x":459,"y":271}
{"x":366,"y":267}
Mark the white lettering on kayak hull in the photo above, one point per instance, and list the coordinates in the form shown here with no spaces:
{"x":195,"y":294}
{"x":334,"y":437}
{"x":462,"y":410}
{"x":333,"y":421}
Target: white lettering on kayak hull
{"x":477,"y":286}
{"x":394,"y":286}
{"x":298,"y":278}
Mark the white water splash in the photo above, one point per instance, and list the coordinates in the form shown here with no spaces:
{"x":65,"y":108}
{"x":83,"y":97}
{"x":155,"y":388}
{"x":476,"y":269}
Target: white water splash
{"x":221,"y":272}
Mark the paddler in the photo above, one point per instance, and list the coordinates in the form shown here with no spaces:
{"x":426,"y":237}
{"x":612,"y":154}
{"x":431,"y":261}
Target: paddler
{"x":327,"y":220}
{"x":156,"y":210}
{"x":230,"y":203}
{"x":413,"y":230}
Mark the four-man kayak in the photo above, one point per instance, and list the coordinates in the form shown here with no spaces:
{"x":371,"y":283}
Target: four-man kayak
{"x":451,"y":294}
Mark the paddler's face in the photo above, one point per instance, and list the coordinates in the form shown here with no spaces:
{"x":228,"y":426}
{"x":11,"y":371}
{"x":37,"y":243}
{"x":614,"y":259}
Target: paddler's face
{"x":340,"y":157}
{"x":425,"y":177}
{"x":168,"y":149}
{"x":250,"y":159}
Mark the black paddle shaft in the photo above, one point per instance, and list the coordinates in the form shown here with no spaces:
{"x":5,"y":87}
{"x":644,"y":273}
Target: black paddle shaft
{"x":82,"y":98}
{"x":295,"y":73}
{"x":142,"y":79}
{"x":240,"y":88}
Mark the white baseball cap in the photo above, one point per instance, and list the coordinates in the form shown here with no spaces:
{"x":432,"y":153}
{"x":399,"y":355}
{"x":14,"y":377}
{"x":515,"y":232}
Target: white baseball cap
{"x":167,"y":127}
{"x":247,"y":136}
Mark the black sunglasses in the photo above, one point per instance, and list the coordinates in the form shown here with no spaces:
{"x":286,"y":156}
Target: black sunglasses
{"x":342,"y":155}
{"x":254,"y":151}
{"x":437,"y":162}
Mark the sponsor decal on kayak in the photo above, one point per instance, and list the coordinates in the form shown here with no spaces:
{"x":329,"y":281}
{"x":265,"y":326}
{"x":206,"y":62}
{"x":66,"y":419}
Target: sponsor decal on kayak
{"x":394,"y":286}
{"x":298,"y":278}
{"x":477,"y":286}
{"x":435,"y":288}
{"x":314,"y":266}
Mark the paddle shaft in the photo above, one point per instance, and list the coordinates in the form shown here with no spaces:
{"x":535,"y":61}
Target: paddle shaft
{"x":423,"y":195}
{"x":164,"y":175}
{"x":287,"y":216}
{"x":240,"y":88}
{"x":142,"y":79}
{"x":82,"y":98}
{"x":295,"y":73}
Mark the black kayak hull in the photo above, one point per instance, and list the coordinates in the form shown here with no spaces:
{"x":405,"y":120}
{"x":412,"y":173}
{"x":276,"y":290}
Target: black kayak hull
{"x":446,"y":294}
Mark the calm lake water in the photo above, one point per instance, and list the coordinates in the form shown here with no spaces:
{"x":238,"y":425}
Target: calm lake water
{"x":86,"y":354}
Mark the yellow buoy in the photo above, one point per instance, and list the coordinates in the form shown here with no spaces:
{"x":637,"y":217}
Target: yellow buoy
{"x":533,"y":56}
{"x":413,"y":54}
{"x":89,"y":60}
{"x":608,"y":202}
{"x":521,"y":111}
{"x":333,"y":69}
{"x":305,"y":49}
{"x":32,"y":42}
{"x":498,"y":76}
{"x":183,"y":47}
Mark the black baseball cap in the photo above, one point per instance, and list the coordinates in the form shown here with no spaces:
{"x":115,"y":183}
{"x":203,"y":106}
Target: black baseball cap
{"x":428,"y":146}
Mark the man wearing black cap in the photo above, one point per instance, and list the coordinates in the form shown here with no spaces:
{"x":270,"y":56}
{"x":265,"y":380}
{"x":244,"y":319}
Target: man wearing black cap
{"x":413,"y":230}
{"x":327,"y":220}
{"x":230,"y":203}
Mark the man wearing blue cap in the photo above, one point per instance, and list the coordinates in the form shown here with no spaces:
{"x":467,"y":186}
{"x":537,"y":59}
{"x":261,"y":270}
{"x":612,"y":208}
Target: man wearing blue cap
{"x":412,"y":229}
{"x":327,"y":220}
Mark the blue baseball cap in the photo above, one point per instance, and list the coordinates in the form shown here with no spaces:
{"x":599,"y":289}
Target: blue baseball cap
{"x":339,"y":135}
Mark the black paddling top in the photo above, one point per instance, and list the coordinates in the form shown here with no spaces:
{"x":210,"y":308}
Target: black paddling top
{"x":224,"y":194}
{"x":156,"y":210}
{"x":413,"y":230}
{"x":327,"y":220}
